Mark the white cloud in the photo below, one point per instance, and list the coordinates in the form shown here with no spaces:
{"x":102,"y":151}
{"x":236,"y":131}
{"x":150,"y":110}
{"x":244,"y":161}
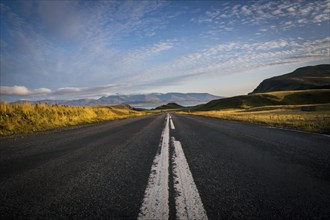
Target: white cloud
{"x":272,"y":45}
{"x":41,"y":91}
{"x":22,"y":91}
{"x":161,"y":47}
{"x":75,"y":45}
{"x":91,"y":91}
{"x":287,"y":14}
{"x":67,"y":91}
{"x":234,"y":57}
{"x":222,"y":59}
{"x":14,"y":90}
{"x":71,"y":41}
{"x":140,"y":54}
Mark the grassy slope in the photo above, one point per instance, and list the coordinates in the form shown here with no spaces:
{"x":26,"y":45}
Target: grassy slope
{"x":310,"y":77}
{"x":28,"y":118}
{"x":280,"y":101}
{"x":299,"y":97}
{"x":282,"y":109}
{"x":169,"y":106}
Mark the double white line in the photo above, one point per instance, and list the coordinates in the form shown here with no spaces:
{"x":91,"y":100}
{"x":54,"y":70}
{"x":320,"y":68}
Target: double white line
{"x":155,"y":204}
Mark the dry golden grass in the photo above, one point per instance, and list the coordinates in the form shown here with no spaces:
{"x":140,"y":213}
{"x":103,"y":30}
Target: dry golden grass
{"x":290,"y":116}
{"x":280,"y":95}
{"x":28,"y":118}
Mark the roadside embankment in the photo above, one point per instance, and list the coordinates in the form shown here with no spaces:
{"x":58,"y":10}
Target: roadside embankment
{"x":29,"y":118}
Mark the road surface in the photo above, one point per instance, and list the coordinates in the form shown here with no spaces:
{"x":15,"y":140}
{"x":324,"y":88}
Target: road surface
{"x":166,"y":167}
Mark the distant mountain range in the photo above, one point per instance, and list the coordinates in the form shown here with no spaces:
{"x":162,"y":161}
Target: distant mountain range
{"x":140,"y":100}
{"x":309,"y":77}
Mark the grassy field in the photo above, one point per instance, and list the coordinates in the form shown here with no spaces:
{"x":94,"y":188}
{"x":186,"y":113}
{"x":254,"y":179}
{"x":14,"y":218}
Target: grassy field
{"x":286,"y":116}
{"x":28,"y":118}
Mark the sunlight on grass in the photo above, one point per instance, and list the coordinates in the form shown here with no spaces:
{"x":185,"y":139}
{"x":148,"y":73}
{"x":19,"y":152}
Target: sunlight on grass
{"x":279,"y":98}
{"x":290,"y":116}
{"x":28,"y":118}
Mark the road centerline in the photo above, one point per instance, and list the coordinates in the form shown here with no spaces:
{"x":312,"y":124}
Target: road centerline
{"x":187,"y":201}
{"x":155,"y":202}
{"x":172,"y":124}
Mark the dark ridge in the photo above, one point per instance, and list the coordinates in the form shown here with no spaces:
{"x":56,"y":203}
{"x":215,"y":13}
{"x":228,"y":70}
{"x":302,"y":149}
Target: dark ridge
{"x":309,"y":77}
{"x":169,"y":106}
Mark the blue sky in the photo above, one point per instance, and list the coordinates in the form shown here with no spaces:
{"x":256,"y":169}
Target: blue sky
{"x":87,"y":49}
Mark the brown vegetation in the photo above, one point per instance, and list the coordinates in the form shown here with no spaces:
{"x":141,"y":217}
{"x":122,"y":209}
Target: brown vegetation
{"x":311,"y":118}
{"x":28,"y":118}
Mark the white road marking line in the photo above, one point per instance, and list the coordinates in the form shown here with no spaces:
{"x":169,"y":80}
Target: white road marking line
{"x":172,"y":124}
{"x":188,"y":202}
{"x":156,"y":197}
{"x":155,"y":202}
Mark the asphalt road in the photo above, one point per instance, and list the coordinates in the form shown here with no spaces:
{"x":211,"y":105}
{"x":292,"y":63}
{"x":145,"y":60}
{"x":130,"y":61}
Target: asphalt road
{"x":240,"y":170}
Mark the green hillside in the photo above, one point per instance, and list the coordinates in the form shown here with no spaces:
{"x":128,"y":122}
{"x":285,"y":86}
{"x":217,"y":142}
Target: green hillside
{"x":299,"y":97}
{"x":169,"y":106}
{"x":310,"y":77}
{"x":298,"y":100}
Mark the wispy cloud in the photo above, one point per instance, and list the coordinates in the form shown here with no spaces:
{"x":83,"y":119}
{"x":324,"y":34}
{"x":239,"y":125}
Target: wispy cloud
{"x":22,"y":91}
{"x":77,"y":40}
{"x":140,"y":54}
{"x":67,"y":91}
{"x":69,"y":48}
{"x":288,"y":14}
{"x":222,"y":59}
{"x":235,"y":57}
